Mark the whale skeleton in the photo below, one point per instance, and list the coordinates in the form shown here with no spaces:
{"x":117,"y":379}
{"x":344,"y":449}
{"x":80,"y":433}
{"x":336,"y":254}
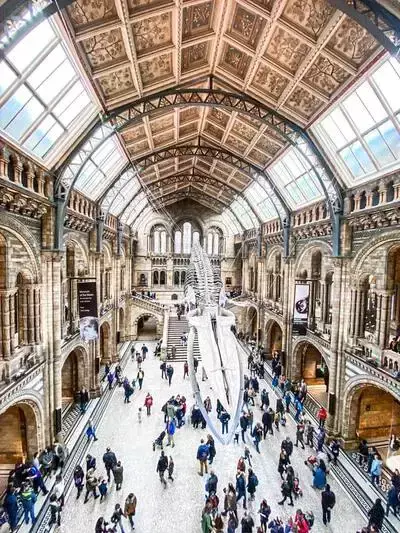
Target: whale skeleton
{"x":221,"y":355}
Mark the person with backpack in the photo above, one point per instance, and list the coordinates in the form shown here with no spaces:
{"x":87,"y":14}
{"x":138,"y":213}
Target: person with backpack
{"x":110,"y":461}
{"x":212,"y":483}
{"x":264,"y":512}
{"x":28,"y":500}
{"x":116,"y":517}
{"x":247,"y":523}
{"x":202,"y":456}
{"x":301,"y":522}
{"x":328,"y":500}
{"x":252,"y":482}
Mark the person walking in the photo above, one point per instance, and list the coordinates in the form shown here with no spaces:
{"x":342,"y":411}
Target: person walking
{"x":139,"y":377}
{"x":282,"y":463}
{"x":83,"y":399}
{"x":90,"y":462}
{"x":392,"y":501}
{"x":376,"y":470}
{"x":252,"y":482}
{"x":257,"y":434}
{"x":232,"y":523}
{"x":144,"y":350}
{"x":244,"y":422}
{"x":211,"y":449}
{"x":230,"y":501}
{"x":162,"y":466}
{"x":28,"y":500}
{"x":55,"y":512}
{"x":328,"y":500}
{"x":319,"y":477}
{"x":247,"y":523}
{"x":300,"y":435}
{"x":59,"y":489}
{"x":224,"y":418}
{"x":185,"y":369}
{"x":264,"y":399}
{"x":91,"y":431}
{"x":171,"y":428}
{"x":212,"y":483}
{"x":170,"y":373}
{"x":130,"y":508}
{"x":286,"y":491}
{"x":116,"y":517}
{"x":241,"y":488}
{"x":376,"y":515}
{"x":118,"y":472}
{"x":103,"y":489}
{"x":322,"y":416}
{"x":171,"y":466}
{"x":264,"y":512}
{"x":91,"y":485}
{"x":110,"y":379}
{"x":10,"y":504}
{"x":109,"y":460}
{"x":148,"y":402}
{"x":163,"y":368}
{"x":309,"y":431}
{"x":202,"y":456}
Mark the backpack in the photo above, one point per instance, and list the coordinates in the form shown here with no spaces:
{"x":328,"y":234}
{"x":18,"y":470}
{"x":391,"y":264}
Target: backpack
{"x":255,"y":480}
{"x":309,"y":517}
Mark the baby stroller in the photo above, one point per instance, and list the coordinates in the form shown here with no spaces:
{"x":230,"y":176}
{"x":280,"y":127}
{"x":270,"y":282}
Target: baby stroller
{"x":296,"y":488}
{"x":159,"y":441}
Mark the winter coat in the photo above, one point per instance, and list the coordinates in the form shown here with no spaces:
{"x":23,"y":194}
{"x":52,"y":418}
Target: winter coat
{"x":162,"y":464}
{"x":247,"y":524}
{"x":240,"y":485}
{"x":11,"y":505}
{"x":109,"y":459}
{"x":212,"y":483}
{"x":203,"y":452}
{"x":376,"y":515}
{"x":328,"y":499}
{"x":91,"y":480}
{"x":252,"y":484}
{"x":148,"y":402}
{"x":171,"y":428}
{"x":206,"y":523}
{"x":376,"y":467}
{"x":130,"y":506}
{"x":230,"y":501}
{"x":319,"y":479}
{"x":118,"y":472}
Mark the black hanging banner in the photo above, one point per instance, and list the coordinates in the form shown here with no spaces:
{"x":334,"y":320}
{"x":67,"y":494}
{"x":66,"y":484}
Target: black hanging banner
{"x":87,"y":301}
{"x":301,"y":307}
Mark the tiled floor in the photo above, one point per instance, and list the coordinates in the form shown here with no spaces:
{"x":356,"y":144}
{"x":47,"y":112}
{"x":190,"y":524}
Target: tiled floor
{"x":178,"y":507}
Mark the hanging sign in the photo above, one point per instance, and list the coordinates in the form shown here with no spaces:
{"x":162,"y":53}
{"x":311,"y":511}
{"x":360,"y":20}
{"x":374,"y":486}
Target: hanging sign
{"x":87,"y":301}
{"x":301,"y":307}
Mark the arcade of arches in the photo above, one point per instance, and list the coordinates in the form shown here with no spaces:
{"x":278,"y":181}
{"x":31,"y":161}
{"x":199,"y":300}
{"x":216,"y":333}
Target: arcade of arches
{"x":281,"y":159}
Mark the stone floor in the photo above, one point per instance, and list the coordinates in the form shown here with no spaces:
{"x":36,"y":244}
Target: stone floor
{"x":178,"y":507}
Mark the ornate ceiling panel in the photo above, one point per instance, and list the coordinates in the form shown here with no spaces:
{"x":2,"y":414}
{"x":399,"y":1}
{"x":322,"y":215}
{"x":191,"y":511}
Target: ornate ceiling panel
{"x":295,"y":56}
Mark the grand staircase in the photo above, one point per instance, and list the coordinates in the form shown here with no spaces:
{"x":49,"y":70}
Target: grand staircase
{"x":175,"y":329}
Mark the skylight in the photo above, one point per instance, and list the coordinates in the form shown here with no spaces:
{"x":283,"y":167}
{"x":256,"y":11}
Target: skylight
{"x":42,"y":99}
{"x":260,"y":201}
{"x":243,"y":211}
{"x":362,"y":132}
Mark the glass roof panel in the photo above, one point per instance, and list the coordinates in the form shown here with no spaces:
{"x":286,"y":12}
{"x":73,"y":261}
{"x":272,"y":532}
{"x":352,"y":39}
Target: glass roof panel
{"x":126,"y":193}
{"x":42,"y":101}
{"x":259,"y":200}
{"x":231,"y":222}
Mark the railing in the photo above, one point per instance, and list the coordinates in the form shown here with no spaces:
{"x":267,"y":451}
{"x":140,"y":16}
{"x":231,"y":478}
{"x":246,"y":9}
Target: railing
{"x":273,"y":307}
{"x":319,"y":339}
{"x":147,"y":303}
{"x":384,"y":376}
{"x":19,"y":382}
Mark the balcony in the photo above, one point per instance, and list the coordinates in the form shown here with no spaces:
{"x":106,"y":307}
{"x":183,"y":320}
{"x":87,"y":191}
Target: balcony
{"x":371,"y":367}
{"x":320,"y":338}
{"x":21,"y":368}
{"x":273,"y":307}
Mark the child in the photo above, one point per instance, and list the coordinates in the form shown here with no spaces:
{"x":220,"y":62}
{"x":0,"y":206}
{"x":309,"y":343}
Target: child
{"x":296,"y":488}
{"x":139,"y":415}
{"x":236,"y":439}
{"x":247,"y":455}
{"x":277,"y":418}
{"x":103,"y":489}
{"x":55,"y":509}
{"x":170,"y":468}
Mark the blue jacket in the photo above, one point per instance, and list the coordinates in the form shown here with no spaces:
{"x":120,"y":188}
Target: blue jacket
{"x":202,"y":452}
{"x":11,"y":504}
{"x":241,"y":485}
{"x":376,"y":467}
{"x":319,"y":480}
{"x":392,"y":497}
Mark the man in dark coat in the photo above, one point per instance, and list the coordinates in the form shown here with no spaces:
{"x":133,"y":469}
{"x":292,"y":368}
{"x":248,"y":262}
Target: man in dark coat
{"x":328,"y":500}
{"x":109,"y":460}
{"x":162,"y":466}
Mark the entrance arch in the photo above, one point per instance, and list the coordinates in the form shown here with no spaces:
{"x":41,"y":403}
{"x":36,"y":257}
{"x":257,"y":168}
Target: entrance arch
{"x":105,"y":353}
{"x":20,"y":438}
{"x":371,"y":412}
{"x":73,"y":375}
{"x":147,"y":327}
{"x":121,"y":322}
{"x":312,"y":366}
{"x":273,"y":337}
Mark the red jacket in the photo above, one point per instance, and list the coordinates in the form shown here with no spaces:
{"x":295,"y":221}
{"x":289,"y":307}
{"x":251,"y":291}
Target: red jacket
{"x":148,"y":402}
{"x":322,"y":414}
{"x":302,"y":526}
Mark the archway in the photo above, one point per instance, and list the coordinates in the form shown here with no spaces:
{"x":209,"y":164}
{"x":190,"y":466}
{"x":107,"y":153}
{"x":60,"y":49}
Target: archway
{"x":314,"y":370}
{"x":105,"y":354}
{"x":252,"y":323}
{"x":273,"y":338}
{"x":121,"y":322}
{"x":147,"y":327}
{"x":373,"y":415}
{"x":19,"y":438}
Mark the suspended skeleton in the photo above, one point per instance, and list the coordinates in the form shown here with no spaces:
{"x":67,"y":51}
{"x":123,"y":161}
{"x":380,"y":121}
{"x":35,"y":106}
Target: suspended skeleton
{"x":220,"y":352}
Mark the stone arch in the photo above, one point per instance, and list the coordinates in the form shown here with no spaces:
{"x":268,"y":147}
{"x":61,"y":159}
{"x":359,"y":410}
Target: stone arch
{"x":22,"y":422}
{"x":307,"y":251}
{"x":352,"y":404}
{"x":273,"y":336}
{"x":311,"y":363}
{"x":105,"y":342}
{"x":74,"y":373}
{"x":154,"y":332}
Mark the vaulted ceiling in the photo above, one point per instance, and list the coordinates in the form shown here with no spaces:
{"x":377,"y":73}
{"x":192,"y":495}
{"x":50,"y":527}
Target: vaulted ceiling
{"x":294,"y":56}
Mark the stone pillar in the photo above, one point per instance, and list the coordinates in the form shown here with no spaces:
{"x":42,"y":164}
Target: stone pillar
{"x":3,"y":164}
{"x":31,"y":314}
{"x":6,"y":329}
{"x":357,"y":317}
{"x":382,"y":192}
{"x":12,"y":322}
{"x":396,"y":187}
{"x":37,"y":318}
{"x":323,"y":303}
{"x":353,"y":294}
{"x":334,"y":383}
{"x":357,"y":198}
{"x":56,"y":319}
{"x":23,"y":302}
{"x":384,"y":319}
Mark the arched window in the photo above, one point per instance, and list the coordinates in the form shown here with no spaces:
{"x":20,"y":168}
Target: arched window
{"x":163,"y":242}
{"x":163,"y":277}
{"x":11,"y":169}
{"x":216,"y":244}
{"x":155,"y":277}
{"x":178,"y":242}
{"x":176,"y":277}
{"x":196,"y":236}
{"x":24,"y":176}
{"x":183,"y":277}
{"x":187,"y":237}
{"x":210,"y":243}
{"x":156,"y":242}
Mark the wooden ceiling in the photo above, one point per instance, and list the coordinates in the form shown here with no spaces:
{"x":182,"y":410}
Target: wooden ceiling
{"x":295,"y":56}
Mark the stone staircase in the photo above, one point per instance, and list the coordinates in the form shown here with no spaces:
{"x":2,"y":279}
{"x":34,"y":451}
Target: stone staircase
{"x":175,"y":329}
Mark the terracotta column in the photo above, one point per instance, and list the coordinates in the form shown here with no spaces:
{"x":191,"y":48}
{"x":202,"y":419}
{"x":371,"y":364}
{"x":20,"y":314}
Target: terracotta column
{"x":31,"y":314}
{"x":384,"y":318}
{"x":37,"y":317}
{"x":5,"y":300}
{"x":56,"y":319}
